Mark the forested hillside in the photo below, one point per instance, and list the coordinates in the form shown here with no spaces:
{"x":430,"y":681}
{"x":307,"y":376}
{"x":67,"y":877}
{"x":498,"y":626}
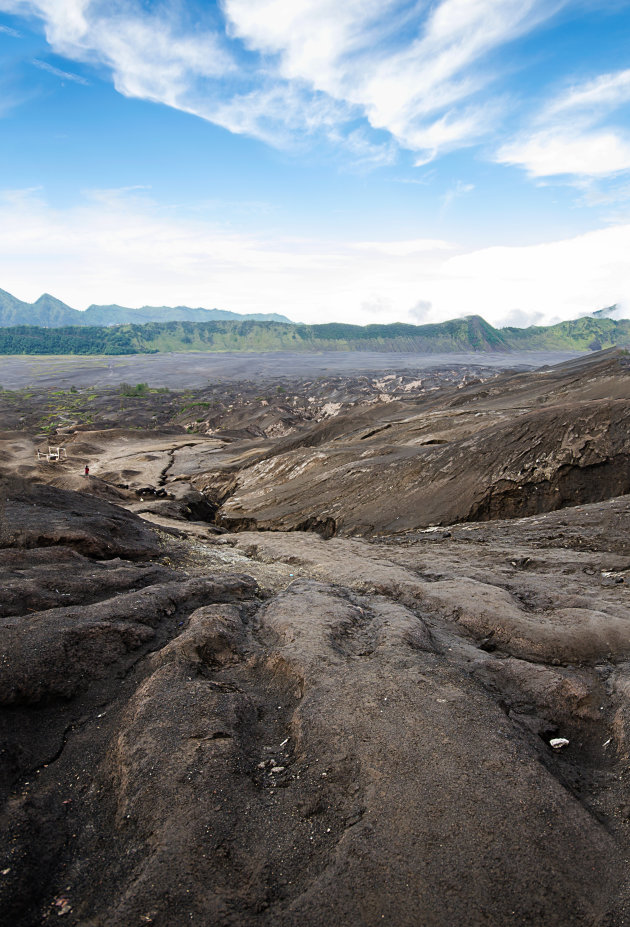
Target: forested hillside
{"x":471,"y":334}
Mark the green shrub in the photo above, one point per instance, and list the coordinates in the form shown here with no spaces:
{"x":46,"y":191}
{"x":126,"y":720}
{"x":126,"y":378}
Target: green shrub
{"x":140,"y":389}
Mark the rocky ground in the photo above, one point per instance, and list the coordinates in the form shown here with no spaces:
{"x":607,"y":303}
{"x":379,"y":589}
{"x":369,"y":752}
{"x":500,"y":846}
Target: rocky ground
{"x":415,"y":713}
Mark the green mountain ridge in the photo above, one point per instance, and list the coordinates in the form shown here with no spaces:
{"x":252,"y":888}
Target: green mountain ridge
{"x":50,"y":312}
{"x":468,"y":335}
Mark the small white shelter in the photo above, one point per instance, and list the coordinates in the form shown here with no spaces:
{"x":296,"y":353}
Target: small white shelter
{"x":53,"y":454}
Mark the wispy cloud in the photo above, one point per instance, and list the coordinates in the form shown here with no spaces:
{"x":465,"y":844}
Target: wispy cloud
{"x":288,"y":70}
{"x":7,"y":30}
{"x":411,"y":72}
{"x":153,"y":54}
{"x":120,"y":247}
{"x":405,"y":247}
{"x":458,"y":190}
{"x":57,"y":72}
{"x":560,"y":150}
{"x":12,"y":96}
{"x":278,"y":112}
{"x":605,"y":92}
{"x":569,"y":137}
{"x":368,"y":76}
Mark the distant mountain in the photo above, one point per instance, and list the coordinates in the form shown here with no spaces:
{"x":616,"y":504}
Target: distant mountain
{"x":589,"y":333}
{"x":471,"y":334}
{"x":608,"y":312}
{"x":119,"y":315}
{"x":49,"y":312}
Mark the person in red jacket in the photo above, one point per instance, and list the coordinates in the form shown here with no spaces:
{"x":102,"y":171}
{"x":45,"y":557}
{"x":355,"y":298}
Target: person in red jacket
{"x":87,"y":470}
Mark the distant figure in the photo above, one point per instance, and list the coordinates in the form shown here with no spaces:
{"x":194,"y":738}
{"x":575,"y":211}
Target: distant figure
{"x":87,"y":470}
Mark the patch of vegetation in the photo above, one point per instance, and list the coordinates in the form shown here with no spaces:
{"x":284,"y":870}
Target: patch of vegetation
{"x":195,"y":405}
{"x":140,"y":389}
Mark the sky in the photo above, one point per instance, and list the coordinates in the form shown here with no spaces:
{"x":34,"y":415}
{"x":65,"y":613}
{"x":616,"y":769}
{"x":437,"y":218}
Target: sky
{"x":360,"y":161}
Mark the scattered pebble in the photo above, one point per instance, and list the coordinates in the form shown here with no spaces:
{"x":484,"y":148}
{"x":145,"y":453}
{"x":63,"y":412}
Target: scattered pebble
{"x":558,"y":743}
{"x":63,"y":905}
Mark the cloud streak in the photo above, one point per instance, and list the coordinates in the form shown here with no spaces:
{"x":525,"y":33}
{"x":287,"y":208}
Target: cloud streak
{"x":412,"y":73}
{"x":368,"y":77}
{"x":57,"y":72}
{"x":283,"y":70}
{"x":119,"y":247}
{"x":7,"y":30}
{"x":568,"y":136}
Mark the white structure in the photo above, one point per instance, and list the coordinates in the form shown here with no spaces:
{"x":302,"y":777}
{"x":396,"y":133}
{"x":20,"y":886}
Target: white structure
{"x":53,"y":454}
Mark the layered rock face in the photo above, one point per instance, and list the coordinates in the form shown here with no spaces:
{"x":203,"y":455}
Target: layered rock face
{"x":524,"y":445}
{"x":276,"y":728}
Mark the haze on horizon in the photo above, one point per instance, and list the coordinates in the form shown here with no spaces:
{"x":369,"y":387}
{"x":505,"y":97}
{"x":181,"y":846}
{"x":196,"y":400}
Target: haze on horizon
{"x":370,"y":162}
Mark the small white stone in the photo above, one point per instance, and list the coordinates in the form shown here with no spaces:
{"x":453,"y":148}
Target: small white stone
{"x":558,"y":743}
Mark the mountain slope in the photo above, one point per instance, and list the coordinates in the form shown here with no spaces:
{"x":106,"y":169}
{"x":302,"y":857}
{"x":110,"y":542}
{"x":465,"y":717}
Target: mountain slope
{"x":120,"y":315}
{"x":46,"y":311}
{"x":585,"y":334}
{"x":470,"y":335}
{"x":50,"y":312}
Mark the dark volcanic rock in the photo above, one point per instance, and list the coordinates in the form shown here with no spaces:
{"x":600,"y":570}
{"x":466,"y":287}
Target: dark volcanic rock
{"x":524,"y":451}
{"x":354,"y":733}
{"x":48,"y":577}
{"x":325,"y":764}
{"x":59,"y":652}
{"x":35,"y":515}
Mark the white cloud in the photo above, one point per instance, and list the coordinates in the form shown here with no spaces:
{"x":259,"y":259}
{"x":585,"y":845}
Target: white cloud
{"x":568,"y":136}
{"x":455,"y":192}
{"x":152,"y":55}
{"x":57,"y":72}
{"x":277,"y":112}
{"x":408,"y":70}
{"x":403,"y":248}
{"x":7,"y":30}
{"x":567,"y":151}
{"x":550,"y":281}
{"x":621,"y":311}
{"x":420,"y":313}
{"x":412,"y":69}
{"x":10,"y":98}
{"x":606,"y":91}
{"x":119,"y":247}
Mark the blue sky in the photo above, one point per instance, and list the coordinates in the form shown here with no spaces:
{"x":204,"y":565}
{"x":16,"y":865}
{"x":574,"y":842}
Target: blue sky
{"x":376,"y":160}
